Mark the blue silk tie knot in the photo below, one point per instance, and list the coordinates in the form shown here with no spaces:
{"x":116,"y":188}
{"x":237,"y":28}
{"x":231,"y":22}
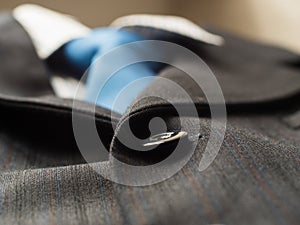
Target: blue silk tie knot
{"x":82,"y":53}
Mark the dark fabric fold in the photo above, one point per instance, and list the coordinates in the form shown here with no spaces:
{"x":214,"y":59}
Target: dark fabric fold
{"x":253,"y":180}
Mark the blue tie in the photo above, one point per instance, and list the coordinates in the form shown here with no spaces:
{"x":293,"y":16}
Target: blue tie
{"x":82,"y":52}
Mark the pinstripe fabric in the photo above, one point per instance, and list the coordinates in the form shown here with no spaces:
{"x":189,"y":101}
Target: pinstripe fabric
{"x":253,"y":180}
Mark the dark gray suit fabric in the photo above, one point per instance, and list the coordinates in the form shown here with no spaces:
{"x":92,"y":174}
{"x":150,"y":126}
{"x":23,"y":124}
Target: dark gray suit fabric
{"x":22,"y":73}
{"x":253,"y":180}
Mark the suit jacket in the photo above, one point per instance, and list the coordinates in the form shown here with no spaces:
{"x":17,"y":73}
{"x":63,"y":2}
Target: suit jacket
{"x":253,"y":180}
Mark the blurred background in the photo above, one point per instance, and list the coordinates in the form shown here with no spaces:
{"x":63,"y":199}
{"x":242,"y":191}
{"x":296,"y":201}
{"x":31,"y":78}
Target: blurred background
{"x":271,"y":21}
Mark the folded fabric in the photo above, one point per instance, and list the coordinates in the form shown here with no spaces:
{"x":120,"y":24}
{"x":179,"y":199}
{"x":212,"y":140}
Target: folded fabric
{"x":69,"y":48}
